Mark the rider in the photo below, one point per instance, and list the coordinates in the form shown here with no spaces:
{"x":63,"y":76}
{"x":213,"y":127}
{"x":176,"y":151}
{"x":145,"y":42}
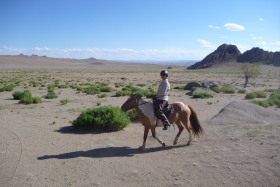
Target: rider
{"x":162,"y":99}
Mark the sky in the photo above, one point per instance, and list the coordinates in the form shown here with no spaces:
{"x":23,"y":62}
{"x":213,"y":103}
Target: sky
{"x":136,"y":29}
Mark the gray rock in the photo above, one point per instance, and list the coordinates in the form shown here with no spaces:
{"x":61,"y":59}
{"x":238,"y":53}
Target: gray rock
{"x":242,"y":112}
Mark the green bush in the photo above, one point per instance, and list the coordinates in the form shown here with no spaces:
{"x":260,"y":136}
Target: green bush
{"x":251,"y":95}
{"x":102,"y":95}
{"x":105,"y":118}
{"x":26,"y":97}
{"x":64,"y":101}
{"x":123,"y":93}
{"x":202,"y":95}
{"x":7,"y":88}
{"x":17,"y":95}
{"x":216,"y":89}
{"x":132,"y":114}
{"x":36,"y":100}
{"x":242,"y":91}
{"x":261,"y":94}
{"x":92,"y":90}
{"x":51,"y":95}
{"x":228,"y":90}
{"x":256,"y":94}
{"x":274,"y":99}
{"x":264,"y":104}
{"x":106,"y":89}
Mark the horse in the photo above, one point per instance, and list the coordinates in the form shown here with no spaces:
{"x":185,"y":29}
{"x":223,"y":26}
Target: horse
{"x":181,"y":114}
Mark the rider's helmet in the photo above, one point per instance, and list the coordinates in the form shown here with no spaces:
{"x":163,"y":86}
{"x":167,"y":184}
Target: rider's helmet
{"x":164,"y":72}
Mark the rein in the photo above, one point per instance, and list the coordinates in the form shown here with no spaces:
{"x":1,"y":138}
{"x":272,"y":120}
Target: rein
{"x":145,"y":102}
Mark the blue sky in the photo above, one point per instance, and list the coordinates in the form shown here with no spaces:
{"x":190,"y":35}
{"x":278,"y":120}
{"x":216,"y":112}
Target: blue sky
{"x":136,"y":29}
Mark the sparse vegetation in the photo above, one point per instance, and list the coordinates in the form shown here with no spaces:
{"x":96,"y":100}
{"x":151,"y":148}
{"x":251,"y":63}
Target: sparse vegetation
{"x":7,"y":88}
{"x":274,"y":99}
{"x":256,"y":94}
{"x":202,"y":95}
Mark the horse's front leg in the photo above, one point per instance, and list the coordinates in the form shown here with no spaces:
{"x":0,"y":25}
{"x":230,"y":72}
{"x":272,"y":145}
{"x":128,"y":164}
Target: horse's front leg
{"x":146,"y":131}
{"x":153,"y":129}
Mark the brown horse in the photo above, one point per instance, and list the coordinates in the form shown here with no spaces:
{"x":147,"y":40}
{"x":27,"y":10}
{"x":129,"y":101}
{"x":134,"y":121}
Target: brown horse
{"x":181,"y":114}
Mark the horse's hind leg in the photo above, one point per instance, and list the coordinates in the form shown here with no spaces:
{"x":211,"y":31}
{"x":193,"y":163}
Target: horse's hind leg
{"x":153,"y":129}
{"x":186,"y":123}
{"x":181,"y":128}
{"x":146,"y":131}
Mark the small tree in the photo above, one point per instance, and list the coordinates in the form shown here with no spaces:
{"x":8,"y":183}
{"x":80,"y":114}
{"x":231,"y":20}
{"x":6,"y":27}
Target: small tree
{"x":250,"y":70}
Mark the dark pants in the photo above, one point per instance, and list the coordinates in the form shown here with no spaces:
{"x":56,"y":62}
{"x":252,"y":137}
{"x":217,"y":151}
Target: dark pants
{"x":158,"y":110}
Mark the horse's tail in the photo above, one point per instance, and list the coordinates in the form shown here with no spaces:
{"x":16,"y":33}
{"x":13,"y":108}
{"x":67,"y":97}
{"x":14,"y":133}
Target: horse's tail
{"x":197,"y":129}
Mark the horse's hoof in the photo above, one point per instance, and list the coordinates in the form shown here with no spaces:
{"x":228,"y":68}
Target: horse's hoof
{"x":189,"y":143}
{"x":174,"y":143}
{"x":141,"y":148}
{"x":163,"y":145}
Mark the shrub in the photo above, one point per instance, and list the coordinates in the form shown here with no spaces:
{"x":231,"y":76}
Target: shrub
{"x":141,"y":85}
{"x":117,"y":85}
{"x":36,"y":100}
{"x":51,"y":95}
{"x":261,"y":94}
{"x":256,"y":94}
{"x":105,"y":118}
{"x":102,"y":95}
{"x":274,"y":99}
{"x":7,"y":88}
{"x":216,"y":89}
{"x":251,"y":95}
{"x":123,"y":93}
{"x":64,"y":101}
{"x":17,"y":95}
{"x":132,"y":114}
{"x":92,"y":90}
{"x":243,"y":91}
{"x":264,"y":104}
{"x":202,"y":95}
{"x":227,"y":89}
{"x":26,"y":97}
{"x":106,"y":89}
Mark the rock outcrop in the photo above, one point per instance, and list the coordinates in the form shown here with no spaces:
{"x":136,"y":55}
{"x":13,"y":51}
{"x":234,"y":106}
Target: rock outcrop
{"x":223,"y":54}
{"x":256,"y":55}
{"x":230,"y":53}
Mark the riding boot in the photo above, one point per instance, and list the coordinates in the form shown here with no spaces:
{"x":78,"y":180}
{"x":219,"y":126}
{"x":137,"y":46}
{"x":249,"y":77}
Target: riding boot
{"x":166,"y":124}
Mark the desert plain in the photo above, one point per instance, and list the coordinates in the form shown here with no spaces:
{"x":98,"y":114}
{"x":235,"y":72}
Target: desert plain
{"x":39,"y":147}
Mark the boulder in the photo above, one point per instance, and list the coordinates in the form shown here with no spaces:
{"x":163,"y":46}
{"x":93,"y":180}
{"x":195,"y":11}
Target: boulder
{"x":242,"y":112}
{"x":201,"y":90}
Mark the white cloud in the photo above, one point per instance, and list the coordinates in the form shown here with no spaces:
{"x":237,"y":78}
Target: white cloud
{"x":261,"y":19}
{"x":206,"y":44}
{"x":254,"y":37}
{"x":234,"y":27}
{"x":213,"y":27}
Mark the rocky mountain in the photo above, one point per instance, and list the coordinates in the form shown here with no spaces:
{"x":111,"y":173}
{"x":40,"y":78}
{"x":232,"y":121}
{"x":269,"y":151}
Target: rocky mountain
{"x":259,"y":55}
{"x":224,"y":53}
{"x":230,"y":53}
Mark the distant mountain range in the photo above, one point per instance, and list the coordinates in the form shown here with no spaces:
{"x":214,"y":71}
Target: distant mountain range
{"x":162,"y":62}
{"x":226,"y":53}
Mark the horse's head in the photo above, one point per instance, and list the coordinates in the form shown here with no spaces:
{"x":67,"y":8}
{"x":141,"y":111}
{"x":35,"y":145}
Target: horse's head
{"x":131,"y":102}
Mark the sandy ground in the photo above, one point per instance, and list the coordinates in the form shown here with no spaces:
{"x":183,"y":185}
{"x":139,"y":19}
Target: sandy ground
{"x":38,"y":146}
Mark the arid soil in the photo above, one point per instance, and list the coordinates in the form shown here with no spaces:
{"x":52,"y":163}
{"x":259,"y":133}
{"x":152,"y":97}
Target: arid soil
{"x":39,"y":147}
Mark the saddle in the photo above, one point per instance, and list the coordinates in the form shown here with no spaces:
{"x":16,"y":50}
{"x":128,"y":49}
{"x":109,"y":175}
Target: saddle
{"x":167,"y":109}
